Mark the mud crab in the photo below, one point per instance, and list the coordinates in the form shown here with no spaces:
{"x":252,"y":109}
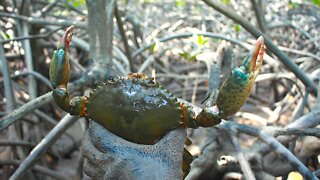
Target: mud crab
{"x":139,"y":109}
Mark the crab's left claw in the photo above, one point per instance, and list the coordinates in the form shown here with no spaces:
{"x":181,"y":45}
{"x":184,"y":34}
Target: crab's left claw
{"x":235,"y":90}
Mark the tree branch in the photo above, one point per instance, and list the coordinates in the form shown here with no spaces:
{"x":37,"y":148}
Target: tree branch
{"x":123,"y":36}
{"x":40,"y":21}
{"x":40,"y":169}
{"x":100,"y":23}
{"x":24,"y":110}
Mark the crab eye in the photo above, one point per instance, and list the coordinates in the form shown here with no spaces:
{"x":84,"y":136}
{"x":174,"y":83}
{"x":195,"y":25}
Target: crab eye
{"x":151,"y":81}
{"x":112,"y":79}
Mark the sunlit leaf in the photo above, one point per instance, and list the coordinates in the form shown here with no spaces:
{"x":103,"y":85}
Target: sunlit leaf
{"x":199,"y":40}
{"x":226,"y":1}
{"x":237,"y":27}
{"x":190,"y":56}
{"x":56,"y":13}
{"x":155,"y":47}
{"x":316,"y":2}
{"x":184,"y":54}
{"x":76,"y":3}
{"x":180,"y":3}
{"x":4,"y":35}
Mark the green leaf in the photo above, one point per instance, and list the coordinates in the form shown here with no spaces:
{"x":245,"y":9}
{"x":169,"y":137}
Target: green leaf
{"x":202,"y":40}
{"x":316,"y":2}
{"x":4,"y":35}
{"x":155,"y":47}
{"x":180,"y":3}
{"x":237,"y":27}
{"x":56,"y":12}
{"x":77,"y":3}
{"x":226,"y":1}
{"x":184,"y":54}
{"x":190,"y":56}
{"x":199,"y":40}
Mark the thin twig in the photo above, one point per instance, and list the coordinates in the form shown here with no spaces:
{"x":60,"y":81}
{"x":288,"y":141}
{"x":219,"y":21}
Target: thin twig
{"x":17,"y":143}
{"x":24,"y":110}
{"x":181,"y":76}
{"x":45,"y":117}
{"x":40,"y":169}
{"x":291,"y":24}
{"x":300,"y":52}
{"x":42,"y":147}
{"x":309,"y":120}
{"x":32,"y":84}
{"x":300,"y":132}
{"x":259,"y":14}
{"x":40,"y":21}
{"x":317,"y":106}
{"x":30,"y":36}
{"x":49,"y":7}
{"x":7,"y":81}
{"x":146,"y":63}
{"x":123,"y":35}
{"x":317,"y":173}
{"x":33,"y":73}
{"x":11,"y":102}
{"x":244,"y":164}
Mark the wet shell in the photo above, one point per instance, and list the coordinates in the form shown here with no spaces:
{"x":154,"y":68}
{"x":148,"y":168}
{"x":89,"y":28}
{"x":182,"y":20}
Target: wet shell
{"x":137,"y":110}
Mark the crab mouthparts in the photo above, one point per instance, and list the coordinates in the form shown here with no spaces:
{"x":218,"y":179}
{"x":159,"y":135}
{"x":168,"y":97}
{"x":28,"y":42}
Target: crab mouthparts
{"x":257,"y":54}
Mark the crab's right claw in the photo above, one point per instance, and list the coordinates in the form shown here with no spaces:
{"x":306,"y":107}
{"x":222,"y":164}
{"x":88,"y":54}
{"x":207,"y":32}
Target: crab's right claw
{"x":59,"y":72}
{"x":59,"y":67}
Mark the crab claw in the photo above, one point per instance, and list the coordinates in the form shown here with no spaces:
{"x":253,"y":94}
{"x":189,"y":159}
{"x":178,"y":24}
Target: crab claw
{"x":254,"y":59}
{"x":59,"y":66}
{"x":59,"y":72}
{"x":235,"y":90}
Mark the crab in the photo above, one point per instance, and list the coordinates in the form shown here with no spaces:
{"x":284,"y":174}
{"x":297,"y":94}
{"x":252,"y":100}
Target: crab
{"x":138,"y":108}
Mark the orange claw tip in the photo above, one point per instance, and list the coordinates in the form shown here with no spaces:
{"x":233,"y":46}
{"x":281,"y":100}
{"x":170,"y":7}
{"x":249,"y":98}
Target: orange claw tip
{"x":257,"y":54}
{"x":66,"y":38}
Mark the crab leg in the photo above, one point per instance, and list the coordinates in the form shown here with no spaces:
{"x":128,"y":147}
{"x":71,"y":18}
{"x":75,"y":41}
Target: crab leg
{"x":206,"y":118}
{"x":59,"y":77}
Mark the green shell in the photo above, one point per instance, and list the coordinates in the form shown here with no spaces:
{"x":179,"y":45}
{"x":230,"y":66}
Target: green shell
{"x":137,"y":110}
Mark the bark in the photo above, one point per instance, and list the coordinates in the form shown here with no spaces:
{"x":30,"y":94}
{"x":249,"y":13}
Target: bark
{"x":100,"y":29}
